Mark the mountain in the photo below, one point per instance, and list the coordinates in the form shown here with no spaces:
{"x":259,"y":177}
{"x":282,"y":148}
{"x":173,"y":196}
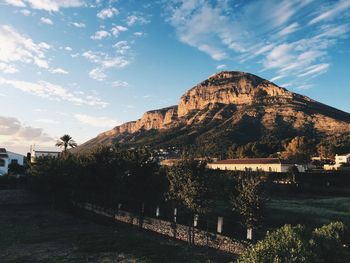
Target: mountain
{"x":230,"y":109}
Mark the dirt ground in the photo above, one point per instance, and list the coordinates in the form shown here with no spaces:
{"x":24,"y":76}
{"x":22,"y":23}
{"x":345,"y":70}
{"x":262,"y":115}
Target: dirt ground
{"x":30,"y":231}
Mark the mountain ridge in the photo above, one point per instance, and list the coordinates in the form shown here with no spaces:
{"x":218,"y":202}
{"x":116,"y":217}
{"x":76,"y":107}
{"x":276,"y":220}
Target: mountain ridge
{"x":230,"y":98}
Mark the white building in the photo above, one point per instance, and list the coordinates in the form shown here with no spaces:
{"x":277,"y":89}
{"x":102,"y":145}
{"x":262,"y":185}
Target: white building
{"x":339,"y":161}
{"x":7,"y":158}
{"x":35,"y":154}
{"x":254,"y":164}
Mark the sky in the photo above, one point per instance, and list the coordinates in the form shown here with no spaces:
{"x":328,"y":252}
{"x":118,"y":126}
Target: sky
{"x":82,"y":67}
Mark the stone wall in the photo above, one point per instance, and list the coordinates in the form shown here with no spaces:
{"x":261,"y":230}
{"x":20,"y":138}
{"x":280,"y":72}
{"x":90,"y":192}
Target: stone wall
{"x":171,"y":229}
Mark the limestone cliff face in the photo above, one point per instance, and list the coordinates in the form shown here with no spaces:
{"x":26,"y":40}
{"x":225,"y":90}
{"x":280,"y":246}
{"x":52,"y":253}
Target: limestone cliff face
{"x":230,"y":88}
{"x":228,"y":98}
{"x":155,"y":119}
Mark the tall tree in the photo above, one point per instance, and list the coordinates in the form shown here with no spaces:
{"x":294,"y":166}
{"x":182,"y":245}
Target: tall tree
{"x":248,"y":199}
{"x":66,"y":141}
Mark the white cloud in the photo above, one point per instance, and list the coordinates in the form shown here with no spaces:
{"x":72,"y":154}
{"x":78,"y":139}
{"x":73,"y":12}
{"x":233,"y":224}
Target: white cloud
{"x":136,"y":19}
{"x":107,"y":13}
{"x":117,"y":29}
{"x":58,"y":71}
{"x":7,"y":68}
{"x":104,"y":122}
{"x":18,"y":48}
{"x":315,"y":70}
{"x":339,"y":7}
{"x":47,"y":5}
{"x":18,"y":3}
{"x":100,"y":35}
{"x":54,"y":92}
{"x":25,"y":12}
{"x":46,"y":20}
{"x":249,"y":30}
{"x":289,"y":29}
{"x":139,"y":34}
{"x":277,"y":78}
{"x":68,"y":49}
{"x":105,"y":60}
{"x":97,"y":74}
{"x":122,"y":47}
{"x":78,"y":24}
{"x":48,"y":121}
{"x":120,"y":84}
{"x":222,"y":66}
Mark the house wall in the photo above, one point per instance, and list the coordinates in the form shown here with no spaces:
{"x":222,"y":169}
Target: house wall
{"x":40,"y":154}
{"x":4,"y":168}
{"x":253,"y":167}
{"x":15,"y":156}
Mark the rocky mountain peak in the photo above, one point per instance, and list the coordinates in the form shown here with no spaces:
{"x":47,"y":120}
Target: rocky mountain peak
{"x":229,"y":87}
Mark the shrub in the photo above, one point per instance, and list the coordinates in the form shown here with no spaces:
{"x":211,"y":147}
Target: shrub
{"x":296,"y":245}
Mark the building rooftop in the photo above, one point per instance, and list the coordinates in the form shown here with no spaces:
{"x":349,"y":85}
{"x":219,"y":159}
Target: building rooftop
{"x":252,"y":161}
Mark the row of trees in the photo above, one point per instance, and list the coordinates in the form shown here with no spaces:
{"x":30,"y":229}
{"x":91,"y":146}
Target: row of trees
{"x":110,"y":175}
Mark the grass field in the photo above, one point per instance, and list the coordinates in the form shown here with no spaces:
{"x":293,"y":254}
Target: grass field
{"x":35,"y":233}
{"x":309,"y":210}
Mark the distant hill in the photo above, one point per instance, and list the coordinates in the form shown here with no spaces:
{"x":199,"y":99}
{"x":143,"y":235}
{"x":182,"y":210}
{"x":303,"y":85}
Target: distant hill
{"x":227,"y":110}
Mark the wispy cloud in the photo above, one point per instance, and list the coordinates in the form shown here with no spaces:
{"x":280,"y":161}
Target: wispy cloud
{"x":275,"y":40}
{"x":105,"y":61}
{"x":54,"y":92}
{"x":78,"y":24}
{"x":136,"y":19}
{"x":103,"y":122}
{"x":117,"y":29}
{"x":15,"y":47}
{"x":331,"y":12}
{"x":100,"y":35}
{"x":120,"y":84}
{"x":107,"y":13}
{"x":46,"y":20}
{"x":289,"y":29}
{"x":59,"y":71}
{"x":47,"y":5}
{"x":97,"y":74}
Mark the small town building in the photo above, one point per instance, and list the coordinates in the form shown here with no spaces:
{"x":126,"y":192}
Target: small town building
{"x":254,"y":164}
{"x":340,"y":160}
{"x":35,"y":154}
{"x":7,"y":158}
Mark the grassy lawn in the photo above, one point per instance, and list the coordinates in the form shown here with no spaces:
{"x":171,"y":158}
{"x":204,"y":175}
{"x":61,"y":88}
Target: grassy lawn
{"x":35,"y":233}
{"x":311,"y":210}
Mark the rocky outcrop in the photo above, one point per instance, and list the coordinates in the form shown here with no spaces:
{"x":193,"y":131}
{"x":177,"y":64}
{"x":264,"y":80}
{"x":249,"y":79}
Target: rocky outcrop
{"x":237,"y":88}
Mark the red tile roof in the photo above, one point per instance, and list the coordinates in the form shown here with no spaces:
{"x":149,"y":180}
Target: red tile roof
{"x":251,"y":161}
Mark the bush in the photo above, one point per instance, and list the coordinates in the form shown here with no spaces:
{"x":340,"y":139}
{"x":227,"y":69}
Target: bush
{"x":296,"y":245}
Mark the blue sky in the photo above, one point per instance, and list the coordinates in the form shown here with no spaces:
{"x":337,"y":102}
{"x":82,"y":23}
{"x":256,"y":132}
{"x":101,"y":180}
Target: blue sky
{"x":83,"y":67}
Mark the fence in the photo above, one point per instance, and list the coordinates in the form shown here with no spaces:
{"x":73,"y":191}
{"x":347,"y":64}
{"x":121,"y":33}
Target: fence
{"x":170,"y":229}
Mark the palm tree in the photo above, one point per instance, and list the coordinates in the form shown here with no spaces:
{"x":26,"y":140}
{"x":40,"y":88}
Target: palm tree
{"x":65,"y":141}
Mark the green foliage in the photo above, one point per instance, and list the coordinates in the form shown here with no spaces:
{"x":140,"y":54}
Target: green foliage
{"x":297,"y":244}
{"x":248,"y":199}
{"x":326,"y":243}
{"x":188,"y":186}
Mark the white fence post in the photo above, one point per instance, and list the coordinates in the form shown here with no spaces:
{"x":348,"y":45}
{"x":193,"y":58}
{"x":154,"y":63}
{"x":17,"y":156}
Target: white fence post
{"x":249,"y":233}
{"x":220,"y":224}
{"x":157,"y":211}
